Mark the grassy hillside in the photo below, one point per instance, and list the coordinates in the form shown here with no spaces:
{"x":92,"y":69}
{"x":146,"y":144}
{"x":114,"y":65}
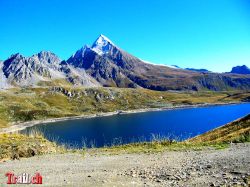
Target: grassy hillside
{"x":15,"y":146}
{"x":236,"y":131}
{"x":20,"y":105}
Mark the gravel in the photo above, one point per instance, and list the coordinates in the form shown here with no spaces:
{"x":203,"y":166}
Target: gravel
{"x":210,"y":167}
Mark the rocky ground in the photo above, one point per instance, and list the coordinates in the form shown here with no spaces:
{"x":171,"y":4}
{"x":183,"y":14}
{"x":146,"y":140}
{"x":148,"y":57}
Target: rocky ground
{"x":209,"y":167}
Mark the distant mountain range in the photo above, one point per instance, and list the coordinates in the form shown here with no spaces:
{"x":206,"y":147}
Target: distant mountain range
{"x":105,"y":64}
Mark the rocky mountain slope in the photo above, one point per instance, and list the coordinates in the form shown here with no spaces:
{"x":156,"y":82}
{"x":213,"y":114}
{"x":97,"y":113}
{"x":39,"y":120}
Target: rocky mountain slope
{"x":42,"y":67}
{"x":105,"y":64}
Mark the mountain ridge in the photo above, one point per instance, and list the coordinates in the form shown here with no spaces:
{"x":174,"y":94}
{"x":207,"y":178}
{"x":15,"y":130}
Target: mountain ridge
{"x":105,"y":64}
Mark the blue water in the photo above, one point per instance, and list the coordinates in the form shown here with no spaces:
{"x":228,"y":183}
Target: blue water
{"x":117,"y":129}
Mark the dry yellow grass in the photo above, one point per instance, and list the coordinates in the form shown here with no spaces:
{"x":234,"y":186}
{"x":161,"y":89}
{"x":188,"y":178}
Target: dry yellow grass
{"x":15,"y":146}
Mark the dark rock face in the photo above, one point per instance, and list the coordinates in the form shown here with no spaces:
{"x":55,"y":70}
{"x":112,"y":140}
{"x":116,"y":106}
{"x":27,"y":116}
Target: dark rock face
{"x":241,"y":70}
{"x":105,"y":64}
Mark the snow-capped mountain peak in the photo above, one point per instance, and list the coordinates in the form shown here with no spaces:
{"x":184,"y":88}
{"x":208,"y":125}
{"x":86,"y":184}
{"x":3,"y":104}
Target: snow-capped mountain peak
{"x":106,"y":39}
{"x":102,"y":45}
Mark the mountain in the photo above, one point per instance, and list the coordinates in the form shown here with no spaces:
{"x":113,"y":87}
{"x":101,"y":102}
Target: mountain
{"x":105,"y":64}
{"x":241,"y":70}
{"x":43,"y":67}
{"x":112,"y":66}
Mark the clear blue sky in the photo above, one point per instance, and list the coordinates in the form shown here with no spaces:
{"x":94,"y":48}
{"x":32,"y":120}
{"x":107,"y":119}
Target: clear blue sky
{"x":212,"y":34}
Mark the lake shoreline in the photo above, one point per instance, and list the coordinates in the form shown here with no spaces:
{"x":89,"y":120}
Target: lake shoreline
{"x":23,"y":125}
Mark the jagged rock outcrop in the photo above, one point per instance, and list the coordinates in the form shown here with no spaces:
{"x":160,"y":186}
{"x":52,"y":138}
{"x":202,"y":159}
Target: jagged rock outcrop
{"x":241,"y":70}
{"x":42,"y":67}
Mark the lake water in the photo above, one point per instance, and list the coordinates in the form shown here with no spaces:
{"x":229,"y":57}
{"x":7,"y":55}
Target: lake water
{"x":117,"y":129}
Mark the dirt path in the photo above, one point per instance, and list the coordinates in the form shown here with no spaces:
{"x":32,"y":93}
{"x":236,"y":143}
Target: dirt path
{"x":227,"y":167}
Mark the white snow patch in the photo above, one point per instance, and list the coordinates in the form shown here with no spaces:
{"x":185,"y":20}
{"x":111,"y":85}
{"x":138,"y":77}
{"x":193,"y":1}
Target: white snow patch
{"x":102,"y":45}
{"x":104,"y":38}
{"x":169,"y":66}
